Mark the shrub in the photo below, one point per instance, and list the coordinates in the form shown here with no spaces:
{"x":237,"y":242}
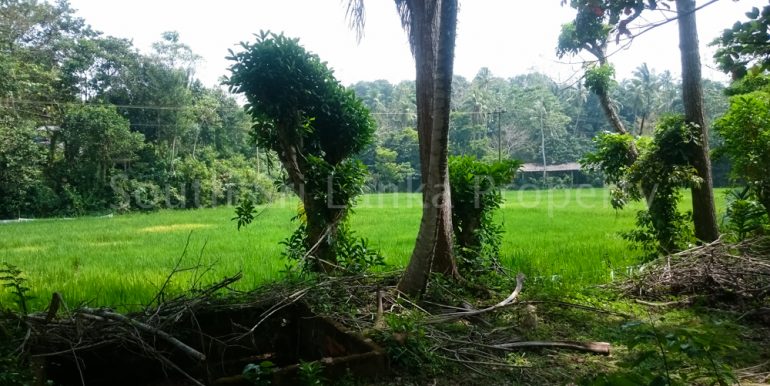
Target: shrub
{"x":475,"y":190}
{"x":315,"y":125}
{"x":662,"y":168}
{"x":746,"y":132}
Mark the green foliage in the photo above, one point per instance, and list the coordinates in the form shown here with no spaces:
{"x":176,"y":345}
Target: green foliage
{"x":599,"y":79}
{"x":749,"y":84}
{"x":611,"y":157}
{"x":745,"y":47}
{"x":746,"y":132}
{"x":20,"y":160}
{"x":11,"y":277}
{"x":300,"y":111}
{"x":311,"y":373}
{"x":80,"y":108}
{"x":744,"y":216}
{"x":660,"y":171}
{"x":669,"y":233}
{"x":353,"y":254}
{"x":295,"y":248}
{"x":673,"y":355}
{"x":595,"y":19}
{"x":475,"y":190}
{"x":406,"y":343}
{"x":287,"y":87}
{"x":94,"y":137}
{"x":244,"y":212}
{"x":576,"y":36}
{"x":259,"y":374}
{"x":330,"y":188}
{"x":386,"y":170}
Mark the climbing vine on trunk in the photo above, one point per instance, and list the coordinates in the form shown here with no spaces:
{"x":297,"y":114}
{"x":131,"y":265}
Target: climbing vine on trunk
{"x":663,"y":168}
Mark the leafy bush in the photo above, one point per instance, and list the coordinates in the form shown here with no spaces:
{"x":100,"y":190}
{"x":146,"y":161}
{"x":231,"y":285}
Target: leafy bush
{"x":259,"y":374}
{"x":746,"y":132}
{"x":475,"y":190}
{"x":311,"y":373}
{"x":662,"y":168}
{"x":406,"y":343}
{"x":663,"y":355}
{"x":745,"y":215}
{"x":353,"y":254}
{"x":301,"y":112}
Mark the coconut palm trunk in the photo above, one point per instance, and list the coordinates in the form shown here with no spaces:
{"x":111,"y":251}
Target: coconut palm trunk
{"x":431,"y":28}
{"x":432,"y":33}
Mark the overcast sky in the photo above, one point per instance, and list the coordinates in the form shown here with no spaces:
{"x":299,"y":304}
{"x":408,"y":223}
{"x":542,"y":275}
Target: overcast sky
{"x":510,"y":37}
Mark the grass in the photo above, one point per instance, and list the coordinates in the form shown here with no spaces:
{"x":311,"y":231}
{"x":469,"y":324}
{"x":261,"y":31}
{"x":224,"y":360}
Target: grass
{"x":568,"y":237}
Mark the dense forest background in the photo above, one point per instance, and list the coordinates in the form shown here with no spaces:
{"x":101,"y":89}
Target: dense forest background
{"x":88,"y":124}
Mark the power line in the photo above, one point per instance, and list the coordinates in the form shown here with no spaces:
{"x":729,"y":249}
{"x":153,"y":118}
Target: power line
{"x":8,"y":103}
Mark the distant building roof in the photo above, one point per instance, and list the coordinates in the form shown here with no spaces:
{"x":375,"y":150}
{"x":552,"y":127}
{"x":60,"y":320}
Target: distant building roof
{"x":568,"y":167}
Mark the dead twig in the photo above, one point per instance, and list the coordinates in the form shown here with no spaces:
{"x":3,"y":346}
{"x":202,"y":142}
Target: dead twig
{"x":663,"y":304}
{"x":602,"y":348}
{"x":193,"y":353}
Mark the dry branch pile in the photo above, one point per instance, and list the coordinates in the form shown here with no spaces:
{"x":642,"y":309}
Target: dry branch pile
{"x":719,"y":269}
{"x":448,"y":325}
{"x":196,"y":338}
{"x":177,"y":336}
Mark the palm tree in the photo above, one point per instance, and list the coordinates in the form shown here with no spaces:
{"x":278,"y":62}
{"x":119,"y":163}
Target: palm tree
{"x":431,"y":27}
{"x":646,"y":89}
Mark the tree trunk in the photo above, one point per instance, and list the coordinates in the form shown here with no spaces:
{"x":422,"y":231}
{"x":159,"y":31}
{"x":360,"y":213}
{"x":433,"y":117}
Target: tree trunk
{"x":703,"y":209}
{"x":605,"y":101}
{"x":321,"y":234}
{"x":433,"y":27}
{"x":443,"y":259}
{"x":421,"y":37}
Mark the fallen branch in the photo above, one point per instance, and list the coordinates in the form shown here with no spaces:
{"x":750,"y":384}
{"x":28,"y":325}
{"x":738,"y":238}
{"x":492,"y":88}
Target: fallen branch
{"x":193,"y":353}
{"x":601,"y":348}
{"x":464,"y":314}
{"x":662,"y":304}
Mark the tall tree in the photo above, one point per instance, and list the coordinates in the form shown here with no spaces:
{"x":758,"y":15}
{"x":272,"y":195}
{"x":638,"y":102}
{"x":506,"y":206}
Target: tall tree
{"x":703,"y":208}
{"x":315,"y":125}
{"x":94,"y":138}
{"x":431,"y":26}
{"x":644,"y":87}
{"x":590,"y":33}
{"x":20,"y":160}
{"x":589,"y":27}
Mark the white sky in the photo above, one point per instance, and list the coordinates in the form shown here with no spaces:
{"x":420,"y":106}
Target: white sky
{"x":510,"y":37}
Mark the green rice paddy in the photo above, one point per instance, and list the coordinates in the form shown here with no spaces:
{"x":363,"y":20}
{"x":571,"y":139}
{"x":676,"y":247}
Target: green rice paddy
{"x":121,"y":261}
